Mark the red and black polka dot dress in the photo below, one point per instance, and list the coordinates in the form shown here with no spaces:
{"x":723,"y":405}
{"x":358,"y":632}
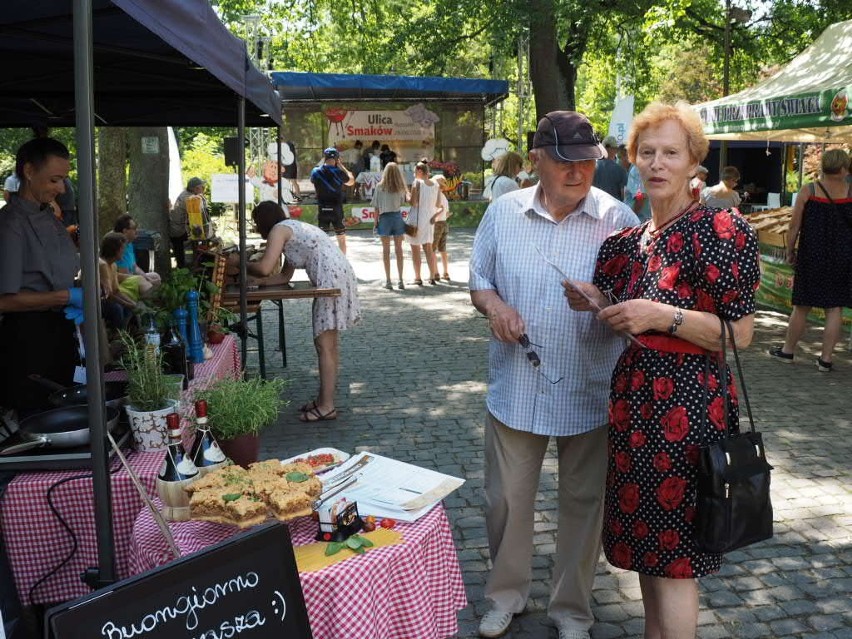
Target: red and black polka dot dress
{"x":708,"y":261}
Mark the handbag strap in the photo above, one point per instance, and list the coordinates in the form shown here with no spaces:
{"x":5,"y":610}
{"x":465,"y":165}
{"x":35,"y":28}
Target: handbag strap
{"x":723,"y":365}
{"x":741,"y":375}
{"x":725,"y":328}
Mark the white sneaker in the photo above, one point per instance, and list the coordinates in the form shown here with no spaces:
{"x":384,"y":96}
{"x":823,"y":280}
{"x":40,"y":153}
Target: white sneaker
{"x":495,"y":622}
{"x":572,"y":633}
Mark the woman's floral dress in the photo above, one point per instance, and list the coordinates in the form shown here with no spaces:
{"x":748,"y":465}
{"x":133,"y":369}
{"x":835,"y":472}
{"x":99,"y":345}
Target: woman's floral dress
{"x":706,"y":261}
{"x":327,"y":267}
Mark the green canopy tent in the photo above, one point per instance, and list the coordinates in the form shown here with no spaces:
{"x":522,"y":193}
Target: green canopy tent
{"x":806,"y":101}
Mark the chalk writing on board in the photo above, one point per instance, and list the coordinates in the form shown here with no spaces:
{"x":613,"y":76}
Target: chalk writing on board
{"x":187,"y":606}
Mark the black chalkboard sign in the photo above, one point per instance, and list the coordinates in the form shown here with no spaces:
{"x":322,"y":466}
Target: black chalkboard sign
{"x":246,"y":587}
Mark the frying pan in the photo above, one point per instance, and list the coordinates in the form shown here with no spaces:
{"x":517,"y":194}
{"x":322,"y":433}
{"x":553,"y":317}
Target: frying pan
{"x":66,"y":427}
{"x":115,"y":393}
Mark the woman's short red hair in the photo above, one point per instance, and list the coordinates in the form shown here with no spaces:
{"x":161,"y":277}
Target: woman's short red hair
{"x":658,"y":112}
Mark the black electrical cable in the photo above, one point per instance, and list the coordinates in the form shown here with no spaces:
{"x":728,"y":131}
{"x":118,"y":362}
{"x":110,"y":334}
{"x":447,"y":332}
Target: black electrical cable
{"x":74,"y":543}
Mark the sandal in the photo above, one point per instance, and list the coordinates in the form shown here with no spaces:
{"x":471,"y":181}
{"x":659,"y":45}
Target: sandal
{"x":311,"y":405}
{"x":433,"y":282}
{"x":418,"y":282}
{"x":446,"y":277}
{"x":400,"y":286}
{"x":313,"y":415}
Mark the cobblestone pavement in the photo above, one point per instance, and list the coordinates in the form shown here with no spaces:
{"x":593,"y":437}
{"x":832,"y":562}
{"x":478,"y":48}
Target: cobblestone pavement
{"x":412,"y":387}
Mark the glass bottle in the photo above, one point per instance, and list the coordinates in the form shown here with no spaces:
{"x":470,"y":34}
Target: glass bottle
{"x":174,"y":356}
{"x":205,"y":451}
{"x":152,"y":336}
{"x":176,"y":472}
{"x":179,"y":317}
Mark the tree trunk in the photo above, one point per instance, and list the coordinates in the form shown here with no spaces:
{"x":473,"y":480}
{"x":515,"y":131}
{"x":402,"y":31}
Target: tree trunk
{"x":149,"y":186}
{"x":551,"y":77}
{"x":112,"y":183}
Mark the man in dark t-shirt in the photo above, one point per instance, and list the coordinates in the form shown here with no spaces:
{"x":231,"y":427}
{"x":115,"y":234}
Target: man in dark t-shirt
{"x":610,"y":176}
{"x":329,"y":179}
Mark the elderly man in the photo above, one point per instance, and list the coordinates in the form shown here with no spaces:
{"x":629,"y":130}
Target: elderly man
{"x":549,"y":371}
{"x":179,"y":221}
{"x":610,"y":176}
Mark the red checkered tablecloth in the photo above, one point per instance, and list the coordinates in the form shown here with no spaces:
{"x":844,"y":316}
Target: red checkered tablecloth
{"x":410,"y":590}
{"x":36,"y":541}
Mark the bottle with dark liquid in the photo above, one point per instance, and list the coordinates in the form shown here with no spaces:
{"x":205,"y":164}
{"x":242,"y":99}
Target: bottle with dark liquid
{"x":179,"y":321}
{"x":176,"y":472}
{"x":174,"y":356}
{"x":205,"y":452}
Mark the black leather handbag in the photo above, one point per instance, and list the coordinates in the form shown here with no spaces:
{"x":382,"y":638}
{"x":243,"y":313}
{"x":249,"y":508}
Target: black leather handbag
{"x":733,"y":503}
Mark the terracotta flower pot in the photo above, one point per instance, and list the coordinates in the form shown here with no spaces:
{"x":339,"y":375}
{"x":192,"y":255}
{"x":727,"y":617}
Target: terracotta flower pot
{"x":215,"y":335}
{"x":242,"y":449}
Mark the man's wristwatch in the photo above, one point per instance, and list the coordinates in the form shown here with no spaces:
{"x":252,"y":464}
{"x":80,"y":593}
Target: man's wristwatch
{"x":677,"y":320}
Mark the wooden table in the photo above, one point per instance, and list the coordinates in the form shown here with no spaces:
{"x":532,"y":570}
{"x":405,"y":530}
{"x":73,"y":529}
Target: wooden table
{"x":275,"y":294}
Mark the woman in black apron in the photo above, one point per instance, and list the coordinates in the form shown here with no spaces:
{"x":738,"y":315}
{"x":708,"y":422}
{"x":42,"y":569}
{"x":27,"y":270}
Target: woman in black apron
{"x":38,"y":264}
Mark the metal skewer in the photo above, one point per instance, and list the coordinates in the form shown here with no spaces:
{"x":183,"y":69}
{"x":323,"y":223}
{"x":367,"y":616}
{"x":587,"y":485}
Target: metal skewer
{"x":585,"y":296}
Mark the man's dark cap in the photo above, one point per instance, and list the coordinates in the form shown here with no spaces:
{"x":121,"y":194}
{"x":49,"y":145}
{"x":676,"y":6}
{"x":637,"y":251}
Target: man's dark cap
{"x":568,"y":136}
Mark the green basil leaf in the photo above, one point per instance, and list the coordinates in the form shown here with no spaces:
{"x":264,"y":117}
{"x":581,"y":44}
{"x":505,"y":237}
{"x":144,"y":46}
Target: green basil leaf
{"x":231,"y":496}
{"x":366,"y":543}
{"x":353,"y":542}
{"x":296,"y":477}
{"x":333,"y":548}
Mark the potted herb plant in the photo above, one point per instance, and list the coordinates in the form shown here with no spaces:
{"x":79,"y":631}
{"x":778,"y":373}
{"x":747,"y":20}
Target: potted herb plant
{"x":238,"y":409}
{"x":148,"y":392}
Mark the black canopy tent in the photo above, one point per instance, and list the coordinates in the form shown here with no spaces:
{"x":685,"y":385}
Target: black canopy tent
{"x":166,"y":62}
{"x":127,"y":63}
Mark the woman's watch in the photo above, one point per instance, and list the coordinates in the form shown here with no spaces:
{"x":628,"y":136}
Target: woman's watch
{"x":677,"y":320}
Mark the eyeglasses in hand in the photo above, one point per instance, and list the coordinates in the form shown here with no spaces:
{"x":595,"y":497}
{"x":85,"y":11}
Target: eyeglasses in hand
{"x":533,"y":357}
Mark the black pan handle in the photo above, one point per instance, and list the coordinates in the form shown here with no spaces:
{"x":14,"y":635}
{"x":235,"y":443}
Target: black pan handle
{"x":35,"y":442}
{"x":47,"y":383}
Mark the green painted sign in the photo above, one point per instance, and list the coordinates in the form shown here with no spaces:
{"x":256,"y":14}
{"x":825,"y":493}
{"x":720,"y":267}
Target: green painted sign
{"x":776,"y":286}
{"x":826,"y":108}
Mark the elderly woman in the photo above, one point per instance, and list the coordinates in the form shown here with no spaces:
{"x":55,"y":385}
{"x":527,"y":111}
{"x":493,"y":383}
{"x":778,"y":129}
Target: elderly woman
{"x":38,"y":264}
{"x":723,"y":195}
{"x":668,"y":281}
{"x":306,"y":246}
{"x":821,"y":223}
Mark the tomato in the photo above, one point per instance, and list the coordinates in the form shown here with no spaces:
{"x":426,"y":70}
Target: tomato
{"x":387,"y":522}
{"x":369,"y":526}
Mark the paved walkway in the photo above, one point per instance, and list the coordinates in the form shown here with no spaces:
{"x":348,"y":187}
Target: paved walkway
{"x":412,"y":387}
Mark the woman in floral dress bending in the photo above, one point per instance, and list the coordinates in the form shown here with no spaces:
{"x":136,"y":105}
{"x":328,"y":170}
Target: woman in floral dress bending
{"x":306,"y":246}
{"x":668,"y":282}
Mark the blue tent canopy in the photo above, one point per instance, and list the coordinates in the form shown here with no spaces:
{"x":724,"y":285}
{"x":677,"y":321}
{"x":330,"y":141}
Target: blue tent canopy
{"x":340,"y":87}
